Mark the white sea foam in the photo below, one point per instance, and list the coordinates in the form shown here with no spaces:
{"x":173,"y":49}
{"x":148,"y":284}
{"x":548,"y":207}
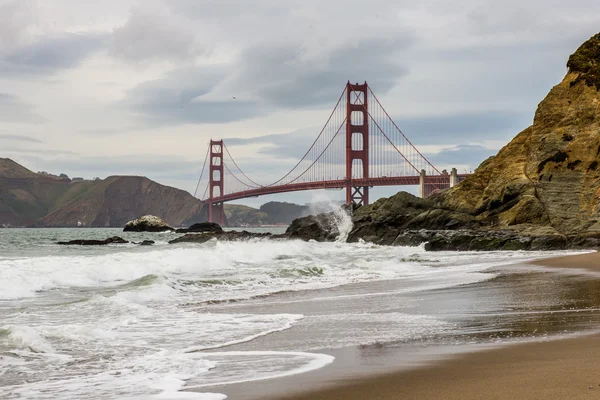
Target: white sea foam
{"x":27,"y":338}
{"x":304,"y":362}
{"x":224,"y":270}
{"x":160,"y":375}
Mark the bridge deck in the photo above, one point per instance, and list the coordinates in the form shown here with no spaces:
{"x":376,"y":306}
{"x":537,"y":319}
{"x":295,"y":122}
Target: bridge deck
{"x":442,"y":180}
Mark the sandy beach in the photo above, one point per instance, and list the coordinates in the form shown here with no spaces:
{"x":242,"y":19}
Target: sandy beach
{"x":557,"y":369}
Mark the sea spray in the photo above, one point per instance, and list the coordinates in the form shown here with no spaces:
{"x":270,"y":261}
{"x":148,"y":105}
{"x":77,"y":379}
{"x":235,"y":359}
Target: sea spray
{"x":341,"y":220}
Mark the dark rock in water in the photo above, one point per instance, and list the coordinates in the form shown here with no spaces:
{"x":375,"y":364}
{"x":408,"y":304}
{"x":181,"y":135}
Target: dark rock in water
{"x":84,"y":242}
{"x":321,"y":227}
{"x":386,"y":219}
{"x":225,"y":236}
{"x":202,"y":227}
{"x":146,"y":243}
{"x":147,"y":223}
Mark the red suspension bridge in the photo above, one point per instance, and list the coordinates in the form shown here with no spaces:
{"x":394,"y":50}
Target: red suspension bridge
{"x":359,"y":147}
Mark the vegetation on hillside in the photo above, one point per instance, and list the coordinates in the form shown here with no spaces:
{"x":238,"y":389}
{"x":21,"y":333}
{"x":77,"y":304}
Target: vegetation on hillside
{"x":586,"y":62}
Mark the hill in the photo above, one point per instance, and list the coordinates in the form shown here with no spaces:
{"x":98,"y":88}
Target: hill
{"x":40,"y":199}
{"x":118,"y":199}
{"x":28,"y":198}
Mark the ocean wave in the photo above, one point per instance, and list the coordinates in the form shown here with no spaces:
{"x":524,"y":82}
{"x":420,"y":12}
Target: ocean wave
{"x":249,"y":269}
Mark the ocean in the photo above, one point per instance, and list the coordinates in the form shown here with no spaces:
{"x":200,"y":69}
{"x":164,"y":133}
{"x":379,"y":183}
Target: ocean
{"x":191,"y":321}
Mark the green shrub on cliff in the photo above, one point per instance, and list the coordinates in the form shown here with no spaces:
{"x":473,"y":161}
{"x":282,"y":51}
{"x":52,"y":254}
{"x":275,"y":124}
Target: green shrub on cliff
{"x":586,"y":62}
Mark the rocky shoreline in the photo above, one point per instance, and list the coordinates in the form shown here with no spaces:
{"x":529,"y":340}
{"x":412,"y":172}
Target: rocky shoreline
{"x":401,"y":220}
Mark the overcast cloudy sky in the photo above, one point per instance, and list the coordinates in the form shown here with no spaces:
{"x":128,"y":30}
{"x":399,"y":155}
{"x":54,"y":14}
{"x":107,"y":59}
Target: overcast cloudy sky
{"x":96,"y":88}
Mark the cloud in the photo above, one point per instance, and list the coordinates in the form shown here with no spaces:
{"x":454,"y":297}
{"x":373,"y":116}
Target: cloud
{"x":153,"y":33}
{"x":12,"y":109}
{"x":471,"y":155}
{"x":20,"y":138}
{"x":141,"y":165}
{"x":17,"y":17}
{"x":469,"y":126}
{"x":38,"y":151}
{"x":50,"y":54}
{"x":284,"y":76}
{"x":187,"y":96}
{"x":265,"y":79}
{"x":282,"y":145}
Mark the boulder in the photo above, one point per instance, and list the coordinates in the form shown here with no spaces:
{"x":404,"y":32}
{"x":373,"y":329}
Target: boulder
{"x":147,"y":223}
{"x":321,"y":227}
{"x":201,"y":228}
{"x":84,"y":242}
{"x":146,"y":243}
{"x":228,"y":236}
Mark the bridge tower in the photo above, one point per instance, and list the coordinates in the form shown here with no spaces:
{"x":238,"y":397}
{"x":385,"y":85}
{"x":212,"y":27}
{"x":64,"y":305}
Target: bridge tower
{"x":357,"y":126}
{"x":216,"y":211}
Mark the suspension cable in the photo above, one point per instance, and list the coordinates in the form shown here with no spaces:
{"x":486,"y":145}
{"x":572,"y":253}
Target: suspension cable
{"x":313,"y":144}
{"x":206,"y":190}
{"x":258,"y":185}
{"x":235,"y":177}
{"x":202,"y":173}
{"x":399,"y":130}
{"x":390,"y":141}
{"x":320,"y":155}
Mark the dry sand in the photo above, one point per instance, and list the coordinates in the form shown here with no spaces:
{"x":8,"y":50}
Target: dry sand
{"x":559,"y":369}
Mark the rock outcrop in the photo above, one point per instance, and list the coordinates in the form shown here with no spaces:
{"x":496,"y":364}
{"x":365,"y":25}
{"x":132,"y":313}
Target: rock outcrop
{"x":147,"y":223}
{"x":228,"y":236}
{"x":202,"y":227}
{"x":548,"y":177}
{"x":84,"y":242}
{"x":383,"y":221}
{"x":320,"y":227}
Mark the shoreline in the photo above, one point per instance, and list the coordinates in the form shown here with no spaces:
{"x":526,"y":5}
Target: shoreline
{"x":555,"y":368}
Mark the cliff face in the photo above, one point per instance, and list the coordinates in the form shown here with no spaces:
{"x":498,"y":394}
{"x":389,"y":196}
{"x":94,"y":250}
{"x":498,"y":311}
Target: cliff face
{"x":548,"y":177}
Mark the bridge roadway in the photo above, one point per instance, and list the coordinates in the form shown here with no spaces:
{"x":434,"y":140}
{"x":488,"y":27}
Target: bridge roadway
{"x":442,"y":180}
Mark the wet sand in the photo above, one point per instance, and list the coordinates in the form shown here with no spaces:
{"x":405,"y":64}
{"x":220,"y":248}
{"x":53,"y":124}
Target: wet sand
{"x":557,"y":369}
{"x":589,"y":261}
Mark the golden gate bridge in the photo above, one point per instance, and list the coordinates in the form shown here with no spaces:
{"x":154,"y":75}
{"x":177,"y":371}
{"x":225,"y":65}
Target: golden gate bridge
{"x":359,"y":147}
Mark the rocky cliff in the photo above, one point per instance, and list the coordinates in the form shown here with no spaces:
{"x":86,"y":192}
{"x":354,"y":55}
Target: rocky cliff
{"x":548,"y":177}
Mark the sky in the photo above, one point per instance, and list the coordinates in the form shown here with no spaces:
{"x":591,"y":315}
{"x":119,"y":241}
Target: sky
{"x":94,"y":89}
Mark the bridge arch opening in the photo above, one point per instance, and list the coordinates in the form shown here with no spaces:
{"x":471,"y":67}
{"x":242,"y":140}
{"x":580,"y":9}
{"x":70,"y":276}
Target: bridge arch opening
{"x":357,"y":118}
{"x":216,"y":175}
{"x":357,"y":169}
{"x":357,"y":141}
